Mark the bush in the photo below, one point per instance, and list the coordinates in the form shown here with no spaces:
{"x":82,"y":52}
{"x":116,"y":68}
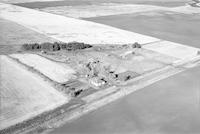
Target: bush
{"x":63,"y":46}
{"x":47,"y":46}
{"x":56,"y":46}
{"x":34,"y":46}
{"x":136,"y":45}
{"x":26,"y":47}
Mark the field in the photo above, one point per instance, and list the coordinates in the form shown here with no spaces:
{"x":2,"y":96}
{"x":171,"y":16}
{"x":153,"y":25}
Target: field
{"x":24,"y":94}
{"x":106,"y":9}
{"x":21,"y":1}
{"x":69,"y":29}
{"x":14,"y":35}
{"x":52,"y":3}
{"x":173,"y":49}
{"x":162,"y":108}
{"x":55,"y":71}
{"x":179,"y":28}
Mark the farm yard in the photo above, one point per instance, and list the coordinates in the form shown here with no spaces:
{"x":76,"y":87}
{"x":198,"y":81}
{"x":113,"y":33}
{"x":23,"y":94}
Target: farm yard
{"x":118,"y":59}
{"x":135,"y":61}
{"x":24,"y":94}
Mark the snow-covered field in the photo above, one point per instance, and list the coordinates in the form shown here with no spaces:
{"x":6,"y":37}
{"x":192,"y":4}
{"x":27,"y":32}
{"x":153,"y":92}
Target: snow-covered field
{"x":105,"y":9}
{"x":52,"y":70}
{"x":69,"y":29}
{"x":24,"y":94}
{"x":14,"y":34}
{"x":173,"y":49}
{"x":186,"y":10}
{"x":25,"y":1}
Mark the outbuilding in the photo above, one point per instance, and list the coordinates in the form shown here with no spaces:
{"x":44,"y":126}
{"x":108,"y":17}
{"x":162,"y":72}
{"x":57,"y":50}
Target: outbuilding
{"x":127,"y":75}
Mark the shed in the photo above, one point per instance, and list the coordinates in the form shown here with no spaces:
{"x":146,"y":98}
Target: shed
{"x":127,"y":75}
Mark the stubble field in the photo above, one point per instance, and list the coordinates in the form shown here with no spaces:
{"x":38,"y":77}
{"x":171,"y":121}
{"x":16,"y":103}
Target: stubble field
{"x":24,"y":94}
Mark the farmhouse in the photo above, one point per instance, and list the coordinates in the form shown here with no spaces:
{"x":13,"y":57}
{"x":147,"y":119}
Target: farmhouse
{"x":97,"y":81}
